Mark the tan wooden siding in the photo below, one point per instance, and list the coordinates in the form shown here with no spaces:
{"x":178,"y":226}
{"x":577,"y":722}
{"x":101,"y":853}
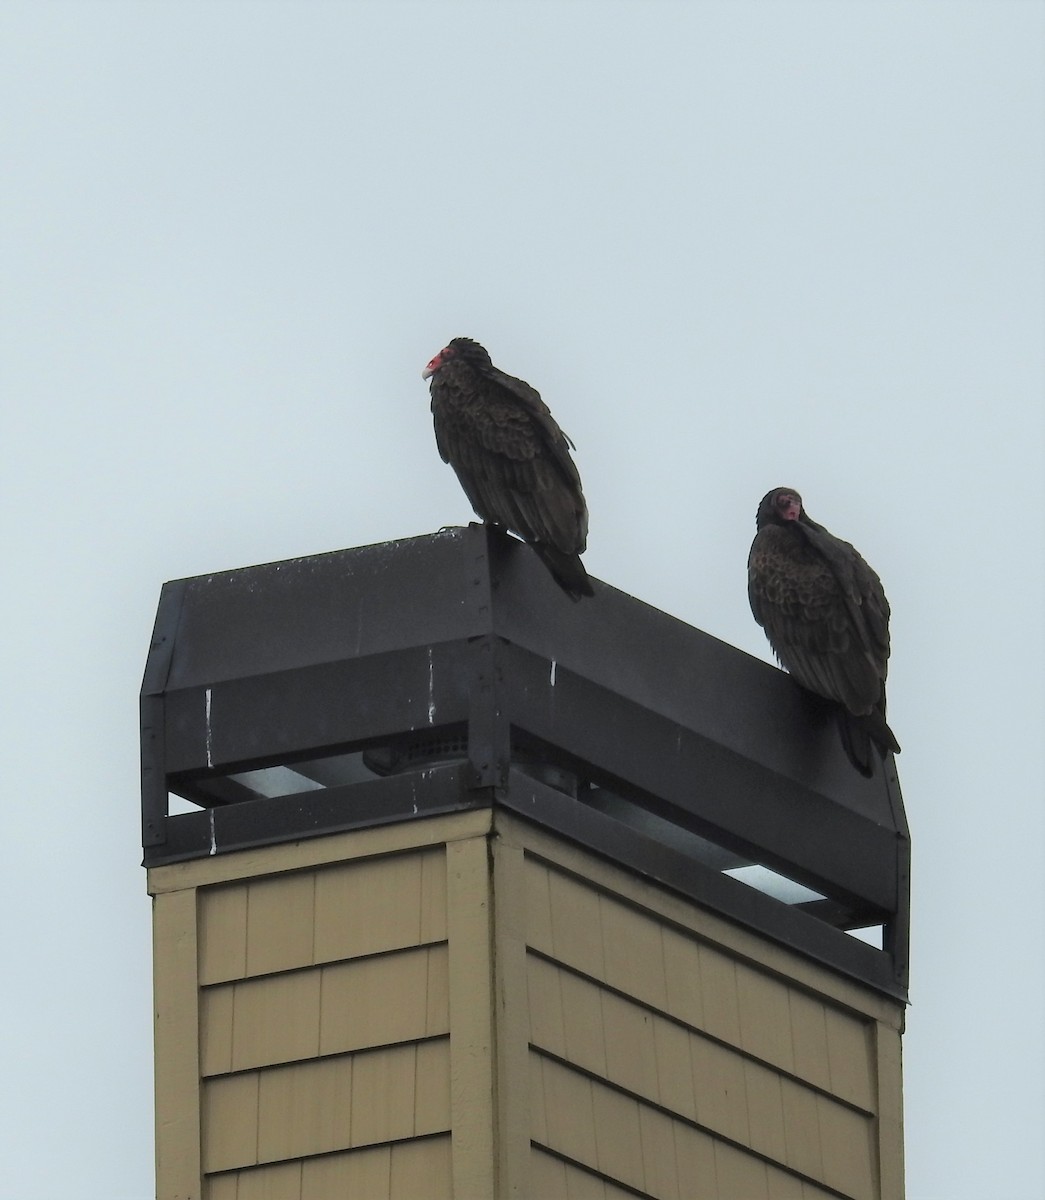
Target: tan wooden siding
{"x":329,"y":1011}
{"x":325,"y":1010}
{"x":552,"y":1178}
{"x":608,"y":1134}
{"x":279,"y":922}
{"x":323,"y":1022}
{"x":416,"y":1170}
{"x":679,"y":1068}
{"x":326,"y":1104}
{"x":177,"y":1037}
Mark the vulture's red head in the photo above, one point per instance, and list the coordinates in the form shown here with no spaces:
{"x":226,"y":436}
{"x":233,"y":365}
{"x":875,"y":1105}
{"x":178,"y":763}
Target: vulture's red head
{"x":460,"y":347}
{"x":778,"y":507}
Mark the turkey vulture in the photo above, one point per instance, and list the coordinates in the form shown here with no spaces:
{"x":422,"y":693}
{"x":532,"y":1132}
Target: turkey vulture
{"x":511,"y":458}
{"x":826,"y":616}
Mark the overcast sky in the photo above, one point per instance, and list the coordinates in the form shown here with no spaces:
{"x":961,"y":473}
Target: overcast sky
{"x":735,"y":245}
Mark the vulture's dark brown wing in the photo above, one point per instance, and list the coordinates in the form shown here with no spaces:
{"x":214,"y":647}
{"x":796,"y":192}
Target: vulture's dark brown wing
{"x":827,"y":618}
{"x":513,"y":463}
{"x":826,"y":630}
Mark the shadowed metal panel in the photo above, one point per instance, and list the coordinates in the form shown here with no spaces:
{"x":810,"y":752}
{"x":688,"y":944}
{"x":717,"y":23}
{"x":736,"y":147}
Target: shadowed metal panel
{"x":325,"y":671}
{"x":253,"y":621}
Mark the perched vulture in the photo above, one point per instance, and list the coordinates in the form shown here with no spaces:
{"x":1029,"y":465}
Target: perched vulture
{"x":511,"y":458}
{"x":826,"y":617}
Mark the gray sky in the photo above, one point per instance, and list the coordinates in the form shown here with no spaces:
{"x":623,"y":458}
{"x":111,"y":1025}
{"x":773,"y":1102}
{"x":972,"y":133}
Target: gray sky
{"x":735,"y":245}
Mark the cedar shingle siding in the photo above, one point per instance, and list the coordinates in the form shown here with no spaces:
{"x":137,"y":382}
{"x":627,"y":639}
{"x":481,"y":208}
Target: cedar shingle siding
{"x":468,"y":1007}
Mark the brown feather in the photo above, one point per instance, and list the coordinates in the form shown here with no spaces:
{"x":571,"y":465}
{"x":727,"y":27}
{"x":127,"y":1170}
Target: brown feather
{"x":826,"y":615}
{"x":511,"y":458}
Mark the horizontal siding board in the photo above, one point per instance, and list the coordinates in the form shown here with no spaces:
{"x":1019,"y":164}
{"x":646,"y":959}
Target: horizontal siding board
{"x":432,"y":1090}
{"x":363,"y":1173}
{"x":222,"y":933}
{"x":552,"y":1179}
{"x":739,"y":1174}
{"x":415,"y":1169}
{"x":389,"y":998}
{"x":279,"y":1182}
{"x":802,"y":1133}
{"x":221,"y":1187}
{"x":850,"y":1056}
{"x":685,"y":997}
{"x":721,"y":999}
{"x":368,"y":906}
{"x":567,"y":1121}
{"x":282,"y":922}
{"x":764,"y":1012}
{"x":230,"y":1122}
{"x":325,"y":1105}
{"x":384,"y":1086}
{"x":695,"y":1163}
{"x":674,"y":1068}
{"x":216,"y":1007}
{"x":808,"y":1021}
{"x":537,"y":1102}
{"x":274,"y":1019}
{"x":659,"y":1166}
{"x":789,"y":1187}
{"x":630,"y":1043}
{"x":633,"y":949}
{"x":765,"y":1105}
{"x":585,"y":1037}
{"x":847,"y":1150}
{"x":305,"y":1108}
{"x":544,"y":1002}
{"x":547,"y":1175}
{"x":421,"y":1170}
{"x":280,"y":914}
{"x":720,"y":1085}
{"x":339,"y":1007}
{"x":433,"y":895}
{"x":576,"y":925}
{"x":617,"y":1136}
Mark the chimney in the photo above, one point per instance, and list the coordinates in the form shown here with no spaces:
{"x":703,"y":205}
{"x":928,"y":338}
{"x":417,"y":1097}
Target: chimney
{"x":463,"y":890}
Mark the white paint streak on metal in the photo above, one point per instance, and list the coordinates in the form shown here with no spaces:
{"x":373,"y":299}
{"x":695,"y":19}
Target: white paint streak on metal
{"x":213,"y":835}
{"x":551,"y":677}
{"x":210,"y":761}
{"x":431,"y":689}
